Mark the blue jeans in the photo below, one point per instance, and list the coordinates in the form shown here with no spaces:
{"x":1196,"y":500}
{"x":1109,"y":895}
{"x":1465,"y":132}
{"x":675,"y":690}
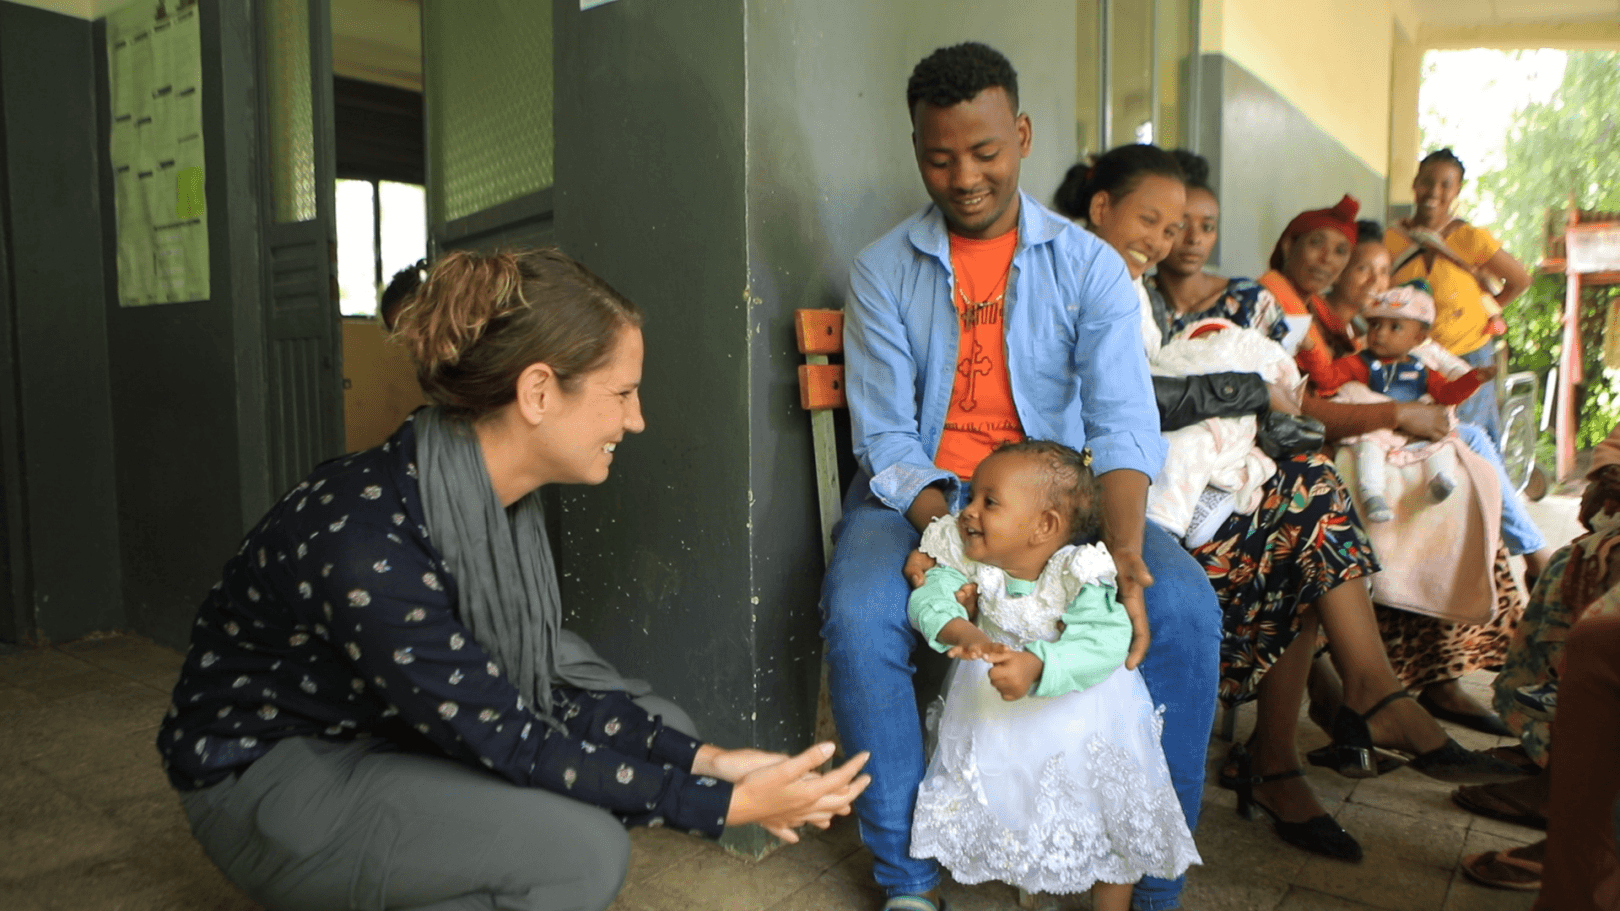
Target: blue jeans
{"x":869,"y":652}
{"x":1519,"y":531}
{"x":1482,"y":408}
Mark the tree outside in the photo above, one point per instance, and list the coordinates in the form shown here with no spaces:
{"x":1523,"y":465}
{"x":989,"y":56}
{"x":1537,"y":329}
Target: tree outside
{"x":1555,"y":140}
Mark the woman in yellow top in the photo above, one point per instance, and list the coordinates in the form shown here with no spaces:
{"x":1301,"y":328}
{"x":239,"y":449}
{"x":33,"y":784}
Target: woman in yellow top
{"x":1460,"y":262}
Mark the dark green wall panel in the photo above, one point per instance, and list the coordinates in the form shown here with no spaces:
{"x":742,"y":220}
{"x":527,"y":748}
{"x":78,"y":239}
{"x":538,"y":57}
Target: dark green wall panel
{"x":62,"y":385}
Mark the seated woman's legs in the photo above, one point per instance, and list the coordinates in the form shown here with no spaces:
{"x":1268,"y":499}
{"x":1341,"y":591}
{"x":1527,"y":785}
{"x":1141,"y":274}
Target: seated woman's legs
{"x":1519,"y":531}
{"x":869,"y":648}
{"x":1181,"y":671}
{"x":316,"y":825}
{"x":1346,"y":613}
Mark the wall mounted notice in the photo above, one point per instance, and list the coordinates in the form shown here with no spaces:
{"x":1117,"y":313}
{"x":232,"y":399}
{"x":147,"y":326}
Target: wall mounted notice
{"x":154,"y":78}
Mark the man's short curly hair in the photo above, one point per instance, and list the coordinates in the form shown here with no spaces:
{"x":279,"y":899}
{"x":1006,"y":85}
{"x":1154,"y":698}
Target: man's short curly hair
{"x":952,"y":75}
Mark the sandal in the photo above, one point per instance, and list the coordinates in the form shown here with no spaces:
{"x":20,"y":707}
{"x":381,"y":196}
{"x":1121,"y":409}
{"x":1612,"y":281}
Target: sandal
{"x":1353,"y":755}
{"x":1516,"y":754}
{"x":1488,"y":723}
{"x":1318,"y":835}
{"x":1501,"y":870}
{"x":1516,"y":812}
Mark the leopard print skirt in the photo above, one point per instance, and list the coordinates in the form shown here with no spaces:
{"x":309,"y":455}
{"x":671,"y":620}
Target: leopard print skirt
{"x":1425,"y":651}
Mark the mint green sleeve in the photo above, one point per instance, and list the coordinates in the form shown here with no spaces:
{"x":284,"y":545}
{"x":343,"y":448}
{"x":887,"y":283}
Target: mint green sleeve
{"x":934,"y":605}
{"x":1095,"y":640}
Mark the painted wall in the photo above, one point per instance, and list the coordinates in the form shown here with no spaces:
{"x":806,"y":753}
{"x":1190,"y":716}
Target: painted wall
{"x":1270,"y":162}
{"x":753,"y":148}
{"x":1330,"y":59}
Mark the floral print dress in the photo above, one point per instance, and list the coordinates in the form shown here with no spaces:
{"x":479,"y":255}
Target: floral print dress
{"x":1303,"y":541}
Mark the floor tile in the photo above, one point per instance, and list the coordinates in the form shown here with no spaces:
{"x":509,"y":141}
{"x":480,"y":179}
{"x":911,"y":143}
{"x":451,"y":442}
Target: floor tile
{"x":1387,"y":882}
{"x":829,"y":893}
{"x":131,"y":656}
{"x":714,"y":880}
{"x":652,"y":851}
{"x":1303,"y":899}
{"x":1408,"y":792}
{"x":1233,"y":887}
{"x":1384,"y":833}
{"x":37,"y":665}
{"x":1226,"y":840}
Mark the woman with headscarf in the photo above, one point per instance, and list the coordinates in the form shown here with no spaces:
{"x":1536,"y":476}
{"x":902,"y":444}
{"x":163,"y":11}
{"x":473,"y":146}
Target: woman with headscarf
{"x":1430,"y":654}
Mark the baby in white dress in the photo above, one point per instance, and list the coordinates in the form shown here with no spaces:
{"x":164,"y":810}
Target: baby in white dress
{"x":1048,"y":772}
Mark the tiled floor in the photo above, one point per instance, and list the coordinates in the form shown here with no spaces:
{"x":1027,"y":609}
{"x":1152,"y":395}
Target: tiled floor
{"x":88,"y":822}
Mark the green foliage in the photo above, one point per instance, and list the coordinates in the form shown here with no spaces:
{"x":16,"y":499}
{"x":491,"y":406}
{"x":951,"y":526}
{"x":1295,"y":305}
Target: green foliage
{"x":1568,"y":147}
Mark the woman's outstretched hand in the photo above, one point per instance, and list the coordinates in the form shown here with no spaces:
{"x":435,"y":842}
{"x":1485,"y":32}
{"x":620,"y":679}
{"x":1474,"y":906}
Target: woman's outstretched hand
{"x":731,"y":765}
{"x":784,"y":795}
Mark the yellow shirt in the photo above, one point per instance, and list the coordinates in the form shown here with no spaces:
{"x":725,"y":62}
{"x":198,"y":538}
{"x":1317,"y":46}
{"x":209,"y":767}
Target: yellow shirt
{"x":1459,"y":309}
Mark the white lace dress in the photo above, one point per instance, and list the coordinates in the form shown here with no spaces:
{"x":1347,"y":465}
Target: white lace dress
{"x":1047,"y":794}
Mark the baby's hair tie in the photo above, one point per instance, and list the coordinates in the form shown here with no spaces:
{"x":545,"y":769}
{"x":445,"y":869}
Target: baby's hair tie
{"x":1085,"y":458}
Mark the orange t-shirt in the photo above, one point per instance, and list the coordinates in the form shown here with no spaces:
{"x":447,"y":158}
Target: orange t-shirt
{"x":982,"y":415}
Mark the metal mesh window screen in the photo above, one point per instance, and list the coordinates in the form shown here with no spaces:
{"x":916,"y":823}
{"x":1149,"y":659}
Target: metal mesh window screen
{"x":488,"y":89}
{"x":291,"y":110}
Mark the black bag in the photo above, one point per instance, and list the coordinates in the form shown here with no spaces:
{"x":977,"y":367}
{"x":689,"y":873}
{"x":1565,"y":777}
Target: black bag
{"x":1282,"y":435}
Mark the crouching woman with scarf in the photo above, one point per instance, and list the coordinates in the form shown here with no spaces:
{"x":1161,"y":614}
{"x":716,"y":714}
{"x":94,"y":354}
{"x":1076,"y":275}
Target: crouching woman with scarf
{"x":380,"y":708}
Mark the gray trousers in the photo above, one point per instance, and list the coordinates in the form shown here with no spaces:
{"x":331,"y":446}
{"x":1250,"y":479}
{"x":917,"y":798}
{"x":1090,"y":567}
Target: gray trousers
{"x":320,"y":826}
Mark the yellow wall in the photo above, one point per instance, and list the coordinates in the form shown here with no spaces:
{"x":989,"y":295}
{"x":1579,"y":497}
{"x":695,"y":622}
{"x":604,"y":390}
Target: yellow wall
{"x":1330,"y":58}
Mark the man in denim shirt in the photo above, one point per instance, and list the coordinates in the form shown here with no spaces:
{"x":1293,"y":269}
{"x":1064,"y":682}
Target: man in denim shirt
{"x":1064,"y":358}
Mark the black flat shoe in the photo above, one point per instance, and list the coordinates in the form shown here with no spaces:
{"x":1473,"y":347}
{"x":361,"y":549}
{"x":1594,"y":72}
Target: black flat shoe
{"x":1318,"y":835}
{"x":1353,"y":755}
{"x":1488,"y":723}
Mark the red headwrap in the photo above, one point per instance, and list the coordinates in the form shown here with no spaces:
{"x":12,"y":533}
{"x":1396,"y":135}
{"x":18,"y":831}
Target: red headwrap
{"x":1341,"y":218}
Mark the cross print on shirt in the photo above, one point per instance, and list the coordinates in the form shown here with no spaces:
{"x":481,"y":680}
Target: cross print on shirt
{"x":971,"y":368}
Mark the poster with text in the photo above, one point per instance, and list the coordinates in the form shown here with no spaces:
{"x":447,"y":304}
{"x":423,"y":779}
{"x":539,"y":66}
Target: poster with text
{"x":155,"y":147}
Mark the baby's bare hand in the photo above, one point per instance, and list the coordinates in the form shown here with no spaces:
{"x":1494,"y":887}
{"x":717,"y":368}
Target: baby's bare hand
{"x":1014,"y":673}
{"x":968,"y":597}
{"x":917,"y":566}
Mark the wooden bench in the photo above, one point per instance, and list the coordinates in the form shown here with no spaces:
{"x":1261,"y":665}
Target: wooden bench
{"x":820,"y":334}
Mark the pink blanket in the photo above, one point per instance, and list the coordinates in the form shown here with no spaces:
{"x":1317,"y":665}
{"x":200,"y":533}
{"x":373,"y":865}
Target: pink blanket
{"x":1437,"y":557}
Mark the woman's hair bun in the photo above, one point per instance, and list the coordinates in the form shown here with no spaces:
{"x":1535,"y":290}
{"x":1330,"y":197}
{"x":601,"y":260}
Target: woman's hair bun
{"x":479,"y":321}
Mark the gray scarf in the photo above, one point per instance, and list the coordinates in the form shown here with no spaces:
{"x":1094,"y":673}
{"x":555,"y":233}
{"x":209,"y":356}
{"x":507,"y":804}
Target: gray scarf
{"x":501,"y":561}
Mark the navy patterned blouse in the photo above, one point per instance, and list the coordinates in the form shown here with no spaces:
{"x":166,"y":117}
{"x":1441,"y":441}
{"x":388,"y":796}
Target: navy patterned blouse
{"x":1245,"y":302}
{"x":337,"y":619}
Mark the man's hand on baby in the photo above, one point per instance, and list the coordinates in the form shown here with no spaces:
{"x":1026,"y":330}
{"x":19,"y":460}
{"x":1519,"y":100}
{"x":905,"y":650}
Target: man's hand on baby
{"x":1485,"y":374}
{"x":917,"y":566}
{"x":1014,"y":672}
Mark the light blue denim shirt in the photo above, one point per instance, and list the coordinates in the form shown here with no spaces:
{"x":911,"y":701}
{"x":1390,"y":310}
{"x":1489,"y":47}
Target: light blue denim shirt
{"x":1074,"y":350}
